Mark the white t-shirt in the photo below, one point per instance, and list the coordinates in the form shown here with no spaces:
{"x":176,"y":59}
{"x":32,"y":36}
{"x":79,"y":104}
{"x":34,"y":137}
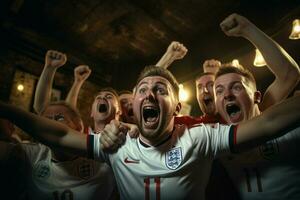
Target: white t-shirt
{"x":177,"y":169}
{"x":78,"y":179}
{"x":271,"y":171}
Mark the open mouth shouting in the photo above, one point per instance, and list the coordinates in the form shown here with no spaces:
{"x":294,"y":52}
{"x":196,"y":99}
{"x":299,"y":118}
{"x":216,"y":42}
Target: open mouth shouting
{"x":102,"y":107}
{"x":208,"y":100}
{"x":234,"y":112}
{"x":151,"y":116}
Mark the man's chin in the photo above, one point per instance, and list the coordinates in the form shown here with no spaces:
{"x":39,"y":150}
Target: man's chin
{"x":149,"y":132}
{"x":103,"y":117}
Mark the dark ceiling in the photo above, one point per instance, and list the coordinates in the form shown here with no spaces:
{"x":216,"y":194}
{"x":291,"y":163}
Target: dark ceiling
{"x":117,"y":38}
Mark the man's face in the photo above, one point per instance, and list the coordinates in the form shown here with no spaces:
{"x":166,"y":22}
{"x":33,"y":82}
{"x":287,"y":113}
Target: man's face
{"x":234,"y":98}
{"x":205,"y":94}
{"x":105,"y":106}
{"x":126,"y":106}
{"x":154,"y":106}
{"x":61,"y":114}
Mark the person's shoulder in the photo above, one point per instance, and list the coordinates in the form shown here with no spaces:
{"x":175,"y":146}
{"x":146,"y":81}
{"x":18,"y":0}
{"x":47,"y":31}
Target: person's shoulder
{"x":204,"y":126}
{"x":33,"y":145}
{"x":33,"y":149}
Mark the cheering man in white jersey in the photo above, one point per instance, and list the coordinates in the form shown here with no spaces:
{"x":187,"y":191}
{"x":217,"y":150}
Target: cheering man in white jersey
{"x":166,"y":161}
{"x":272,"y":170}
{"x":55,"y":174}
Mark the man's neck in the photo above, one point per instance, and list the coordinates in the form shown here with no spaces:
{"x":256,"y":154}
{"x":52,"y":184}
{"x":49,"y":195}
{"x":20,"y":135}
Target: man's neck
{"x":256,"y":111}
{"x":161,"y":138}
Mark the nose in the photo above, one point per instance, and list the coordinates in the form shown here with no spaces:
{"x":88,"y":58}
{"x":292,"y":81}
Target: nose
{"x":100,"y":97}
{"x":205,"y":89}
{"x":150,"y":95}
{"x":228,"y":95}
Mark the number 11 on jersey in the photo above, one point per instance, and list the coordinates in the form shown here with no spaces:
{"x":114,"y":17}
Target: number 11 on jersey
{"x":150,"y":190}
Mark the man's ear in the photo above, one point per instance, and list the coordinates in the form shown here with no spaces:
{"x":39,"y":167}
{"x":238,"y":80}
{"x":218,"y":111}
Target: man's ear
{"x":92,"y":113}
{"x":177,"y":110}
{"x":257,"y":97}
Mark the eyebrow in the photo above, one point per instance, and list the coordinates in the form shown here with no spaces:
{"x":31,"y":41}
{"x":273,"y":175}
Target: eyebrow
{"x":231,"y":83}
{"x":143,"y":82}
{"x":158,"y":82}
{"x":162,"y":83}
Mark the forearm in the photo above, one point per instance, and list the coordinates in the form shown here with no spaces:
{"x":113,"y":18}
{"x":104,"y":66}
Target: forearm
{"x":43,"y":89}
{"x":274,"y":122}
{"x":277,"y":59}
{"x":48,"y":131}
{"x":165,"y":61}
{"x":284,"y":68}
{"x":73,"y":93}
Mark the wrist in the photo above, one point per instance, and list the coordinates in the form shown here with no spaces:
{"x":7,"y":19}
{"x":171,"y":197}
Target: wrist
{"x":49,"y":67}
{"x":78,"y":81}
{"x":250,"y":32}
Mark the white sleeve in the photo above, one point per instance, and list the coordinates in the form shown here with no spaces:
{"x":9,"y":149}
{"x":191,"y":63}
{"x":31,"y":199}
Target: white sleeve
{"x":212,"y":140}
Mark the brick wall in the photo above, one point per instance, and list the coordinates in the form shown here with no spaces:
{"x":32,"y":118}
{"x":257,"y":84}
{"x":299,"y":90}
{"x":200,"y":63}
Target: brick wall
{"x":23,"y":99}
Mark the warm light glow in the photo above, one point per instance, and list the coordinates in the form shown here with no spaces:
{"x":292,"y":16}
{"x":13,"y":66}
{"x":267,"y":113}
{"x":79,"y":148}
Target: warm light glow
{"x":259,"y":60}
{"x":295,"y":34}
{"x":235,"y":63}
{"x":183,"y":95}
{"x":20,"y":87}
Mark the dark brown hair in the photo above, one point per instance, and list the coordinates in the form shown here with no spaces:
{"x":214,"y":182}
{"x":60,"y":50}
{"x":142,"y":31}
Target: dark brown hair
{"x":159,"y":71}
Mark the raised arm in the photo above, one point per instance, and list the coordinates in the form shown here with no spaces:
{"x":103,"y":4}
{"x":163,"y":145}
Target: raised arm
{"x":279,"y":62}
{"x":211,"y":66}
{"x":81,"y":73}
{"x":48,"y":131}
{"x":274,"y":122}
{"x":175,"y":51}
{"x":53,"y":60}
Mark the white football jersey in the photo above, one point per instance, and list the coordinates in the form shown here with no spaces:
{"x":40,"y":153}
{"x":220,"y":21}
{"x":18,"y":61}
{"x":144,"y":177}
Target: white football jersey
{"x":78,"y":179}
{"x":177,"y":169}
{"x":271,"y":171}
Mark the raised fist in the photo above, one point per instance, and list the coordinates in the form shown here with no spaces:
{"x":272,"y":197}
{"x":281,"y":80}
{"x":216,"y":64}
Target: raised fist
{"x":177,"y":50}
{"x":211,"y":66}
{"x":55,"y":59}
{"x":236,"y":25}
{"x":82,"y":72}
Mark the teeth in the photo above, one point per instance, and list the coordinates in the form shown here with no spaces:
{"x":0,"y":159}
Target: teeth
{"x":150,"y":107}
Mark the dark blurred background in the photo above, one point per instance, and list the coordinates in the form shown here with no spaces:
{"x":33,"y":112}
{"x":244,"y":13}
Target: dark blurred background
{"x":118,"y":38}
